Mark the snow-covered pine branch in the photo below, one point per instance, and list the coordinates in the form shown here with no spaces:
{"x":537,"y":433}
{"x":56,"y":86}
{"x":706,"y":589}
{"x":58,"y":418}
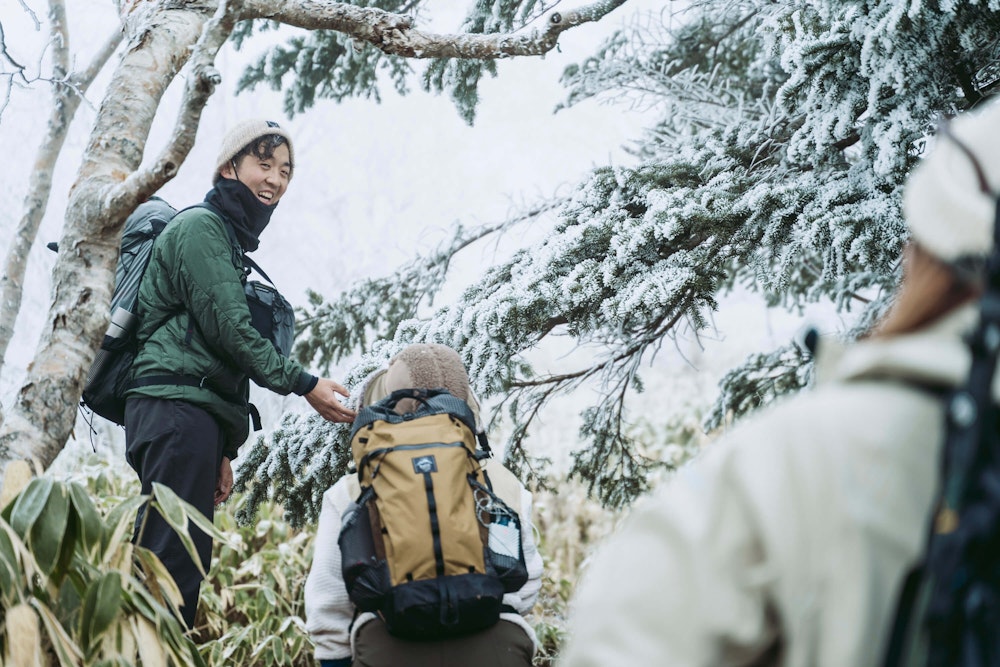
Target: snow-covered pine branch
{"x":786,"y":132}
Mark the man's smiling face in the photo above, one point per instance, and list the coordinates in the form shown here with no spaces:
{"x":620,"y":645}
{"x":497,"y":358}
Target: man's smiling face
{"x":266,"y":177}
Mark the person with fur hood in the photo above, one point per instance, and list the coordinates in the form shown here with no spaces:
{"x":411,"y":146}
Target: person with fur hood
{"x":787,"y":541}
{"x":344,"y":637}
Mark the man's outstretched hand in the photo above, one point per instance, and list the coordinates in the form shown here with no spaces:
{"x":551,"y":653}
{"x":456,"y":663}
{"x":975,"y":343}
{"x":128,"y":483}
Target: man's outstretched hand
{"x":323,"y":399}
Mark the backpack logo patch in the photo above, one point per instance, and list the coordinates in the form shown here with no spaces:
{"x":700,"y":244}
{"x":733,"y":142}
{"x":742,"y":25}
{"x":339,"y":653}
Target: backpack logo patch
{"x":423,"y":465}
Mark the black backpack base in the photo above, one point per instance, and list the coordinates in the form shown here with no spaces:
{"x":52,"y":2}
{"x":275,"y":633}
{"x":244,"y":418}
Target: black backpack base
{"x":429,"y":609}
{"x":109,"y":378}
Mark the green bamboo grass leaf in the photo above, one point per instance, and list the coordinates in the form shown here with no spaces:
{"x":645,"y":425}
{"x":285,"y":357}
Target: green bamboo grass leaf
{"x":70,"y":599}
{"x":182,"y":650}
{"x":203,"y":522}
{"x":192,"y":655}
{"x":30,"y":504}
{"x":193,"y":513}
{"x":100,"y":607}
{"x":8,"y":567}
{"x":66,"y":649}
{"x":86,"y":612}
{"x":279,"y":650}
{"x":150,"y":650}
{"x":109,"y":603}
{"x":171,"y":508}
{"x":24,"y":641}
{"x":25,"y":567}
{"x":16,"y":476}
{"x":119,"y":521}
{"x":67,"y":549}
{"x":158,"y":580}
{"x":179,"y":647}
{"x":146,"y":605}
{"x":88,"y":519}
{"x":49,"y":528}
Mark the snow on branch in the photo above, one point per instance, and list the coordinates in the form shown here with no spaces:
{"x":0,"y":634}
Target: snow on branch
{"x":339,"y":328}
{"x":395,"y":34}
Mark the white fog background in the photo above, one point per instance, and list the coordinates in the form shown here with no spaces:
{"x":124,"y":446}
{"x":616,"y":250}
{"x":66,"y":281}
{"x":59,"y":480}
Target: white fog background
{"x":374,"y":184}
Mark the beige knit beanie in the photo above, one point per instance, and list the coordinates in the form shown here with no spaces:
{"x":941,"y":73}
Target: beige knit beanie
{"x":428,"y":366}
{"x":946,"y":209}
{"x":244,"y":133}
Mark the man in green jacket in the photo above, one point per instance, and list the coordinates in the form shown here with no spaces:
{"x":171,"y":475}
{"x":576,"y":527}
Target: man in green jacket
{"x":187,"y":412}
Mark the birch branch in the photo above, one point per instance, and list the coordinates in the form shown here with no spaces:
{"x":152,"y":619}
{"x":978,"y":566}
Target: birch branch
{"x":81,"y":80}
{"x":395,"y":34}
{"x":205,"y":77}
{"x":67,"y":93}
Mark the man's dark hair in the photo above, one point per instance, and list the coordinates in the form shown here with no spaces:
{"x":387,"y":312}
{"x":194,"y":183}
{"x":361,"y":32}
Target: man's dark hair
{"x":263,"y":148}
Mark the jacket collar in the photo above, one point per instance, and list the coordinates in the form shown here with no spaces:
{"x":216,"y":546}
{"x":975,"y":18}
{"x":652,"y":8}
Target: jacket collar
{"x":935,"y":356}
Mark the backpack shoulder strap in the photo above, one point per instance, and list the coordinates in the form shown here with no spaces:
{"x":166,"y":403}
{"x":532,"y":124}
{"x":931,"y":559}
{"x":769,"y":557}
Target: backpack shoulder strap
{"x":256,"y":267}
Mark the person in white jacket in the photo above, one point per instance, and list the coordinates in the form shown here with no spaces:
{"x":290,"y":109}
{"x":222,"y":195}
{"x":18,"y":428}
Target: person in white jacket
{"x":341,"y":639}
{"x":787,"y":541}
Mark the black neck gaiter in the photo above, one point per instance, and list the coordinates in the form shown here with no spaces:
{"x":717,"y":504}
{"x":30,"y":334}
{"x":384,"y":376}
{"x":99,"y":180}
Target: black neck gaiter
{"x":247,"y":214}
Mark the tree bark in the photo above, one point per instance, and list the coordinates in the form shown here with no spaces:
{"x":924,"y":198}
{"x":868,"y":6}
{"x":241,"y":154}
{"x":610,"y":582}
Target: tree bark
{"x":395,"y":34}
{"x":67,"y":92}
{"x":108,"y":186}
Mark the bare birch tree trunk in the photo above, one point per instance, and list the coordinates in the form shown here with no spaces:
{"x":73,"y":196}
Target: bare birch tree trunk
{"x":67,"y":93}
{"x":162,"y":36}
{"x":108,"y":187}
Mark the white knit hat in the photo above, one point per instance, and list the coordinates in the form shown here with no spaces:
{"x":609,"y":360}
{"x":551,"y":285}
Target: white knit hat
{"x":246,"y":132}
{"x":946,"y":209}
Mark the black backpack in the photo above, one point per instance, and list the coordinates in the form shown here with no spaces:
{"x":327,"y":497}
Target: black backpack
{"x":948,"y":614}
{"x":109,"y":376}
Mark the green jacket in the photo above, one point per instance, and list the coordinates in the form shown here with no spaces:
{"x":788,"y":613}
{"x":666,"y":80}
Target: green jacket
{"x":195,"y":322}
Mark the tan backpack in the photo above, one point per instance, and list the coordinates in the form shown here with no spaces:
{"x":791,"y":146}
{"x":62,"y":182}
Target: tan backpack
{"x":427,"y":544}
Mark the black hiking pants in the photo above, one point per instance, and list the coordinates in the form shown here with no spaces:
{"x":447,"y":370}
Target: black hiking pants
{"x":180,"y":446}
